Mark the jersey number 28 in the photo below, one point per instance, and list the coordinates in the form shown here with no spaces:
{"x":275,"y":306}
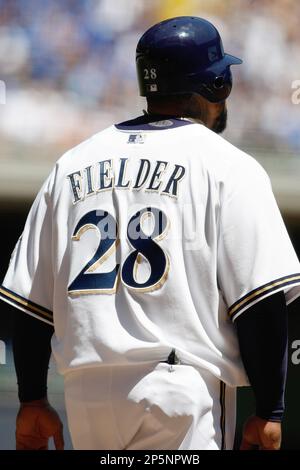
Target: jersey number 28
{"x":144,"y":246}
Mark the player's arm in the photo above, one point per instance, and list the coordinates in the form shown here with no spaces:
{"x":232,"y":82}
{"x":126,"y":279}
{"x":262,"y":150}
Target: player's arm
{"x":37,"y":421}
{"x":263,"y":339}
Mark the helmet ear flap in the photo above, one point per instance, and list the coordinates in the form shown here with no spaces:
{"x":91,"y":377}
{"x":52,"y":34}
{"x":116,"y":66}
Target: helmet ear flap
{"x":219,"y":82}
{"x":215,"y":87}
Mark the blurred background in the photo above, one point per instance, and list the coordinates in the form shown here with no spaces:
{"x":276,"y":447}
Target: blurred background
{"x":69,"y":71}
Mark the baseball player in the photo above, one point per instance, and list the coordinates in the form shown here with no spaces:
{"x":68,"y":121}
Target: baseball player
{"x":156,"y":258}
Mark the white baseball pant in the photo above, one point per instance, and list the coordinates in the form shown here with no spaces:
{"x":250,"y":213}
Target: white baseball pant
{"x":149,"y":406}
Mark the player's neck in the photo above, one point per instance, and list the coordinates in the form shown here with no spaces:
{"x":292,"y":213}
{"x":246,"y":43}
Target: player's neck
{"x":182,"y":110}
{"x":165,"y":111}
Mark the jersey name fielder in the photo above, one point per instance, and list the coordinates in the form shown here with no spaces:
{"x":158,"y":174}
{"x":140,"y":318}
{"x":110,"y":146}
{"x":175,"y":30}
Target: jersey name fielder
{"x":148,"y":237}
{"x":101,"y":177}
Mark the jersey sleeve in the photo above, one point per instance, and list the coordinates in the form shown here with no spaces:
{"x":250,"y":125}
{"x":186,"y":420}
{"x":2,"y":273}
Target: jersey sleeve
{"x":28,"y":284}
{"x":255,"y":255}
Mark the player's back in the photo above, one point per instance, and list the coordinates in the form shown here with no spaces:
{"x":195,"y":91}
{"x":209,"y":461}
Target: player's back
{"x":140,"y":204}
{"x":122,"y":249}
{"x":151,"y":236}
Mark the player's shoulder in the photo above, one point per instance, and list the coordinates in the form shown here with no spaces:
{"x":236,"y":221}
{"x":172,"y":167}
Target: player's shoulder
{"x":225,"y":159}
{"x":74,"y":158}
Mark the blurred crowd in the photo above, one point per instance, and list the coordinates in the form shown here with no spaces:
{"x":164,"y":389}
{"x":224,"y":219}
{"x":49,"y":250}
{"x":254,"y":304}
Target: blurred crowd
{"x":69,"y":67}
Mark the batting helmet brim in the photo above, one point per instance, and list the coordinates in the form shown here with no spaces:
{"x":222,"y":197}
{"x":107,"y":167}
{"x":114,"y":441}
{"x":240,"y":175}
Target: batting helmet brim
{"x":225,"y":62}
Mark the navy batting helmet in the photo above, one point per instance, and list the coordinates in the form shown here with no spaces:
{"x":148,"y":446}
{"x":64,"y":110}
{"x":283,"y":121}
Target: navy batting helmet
{"x":184,"y":55}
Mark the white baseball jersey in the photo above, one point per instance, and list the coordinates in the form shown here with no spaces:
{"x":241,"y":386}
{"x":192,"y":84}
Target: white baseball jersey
{"x":151,"y":236}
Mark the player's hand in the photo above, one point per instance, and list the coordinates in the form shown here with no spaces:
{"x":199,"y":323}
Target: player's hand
{"x":261,"y":434}
{"x":36,"y":422}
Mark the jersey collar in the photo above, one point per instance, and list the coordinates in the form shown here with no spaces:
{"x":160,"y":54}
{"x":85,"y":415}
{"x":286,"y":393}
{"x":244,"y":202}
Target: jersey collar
{"x":152,"y":122}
